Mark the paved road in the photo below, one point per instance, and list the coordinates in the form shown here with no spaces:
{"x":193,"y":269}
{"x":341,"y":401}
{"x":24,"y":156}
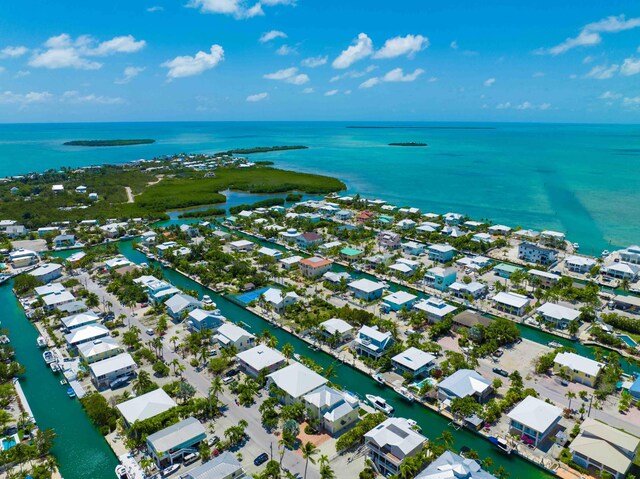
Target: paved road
{"x":259,"y":440}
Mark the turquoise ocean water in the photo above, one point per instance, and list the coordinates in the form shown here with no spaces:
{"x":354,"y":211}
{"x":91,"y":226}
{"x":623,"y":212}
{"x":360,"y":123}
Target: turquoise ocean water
{"x":583,"y":180}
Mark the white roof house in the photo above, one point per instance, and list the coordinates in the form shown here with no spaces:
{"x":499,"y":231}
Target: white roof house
{"x":260,"y":357}
{"x":452,"y":466}
{"x":278,"y":300}
{"x":511,"y":299}
{"x":241,"y":245}
{"x":273,"y":253}
{"x":179,"y":303}
{"x":49,"y":289}
{"x":80,"y":319}
{"x":557,"y":312}
{"x":366,"y":285}
{"x":535,"y":416}
{"x":99,"y":349}
{"x":413,"y":359}
{"x":54,"y":299}
{"x":464,"y":383}
{"x":230,"y":334}
{"x":395,"y":436}
{"x":579,"y":363}
{"x":86,"y":333}
{"x":336,"y":325}
{"x":400,"y":298}
{"x":146,"y":406}
{"x":291,"y":260}
{"x":225,"y":466}
{"x":435,"y":308}
{"x":47,"y":272}
{"x":186,"y":432}
{"x":297,"y":380}
{"x":113,"y":364}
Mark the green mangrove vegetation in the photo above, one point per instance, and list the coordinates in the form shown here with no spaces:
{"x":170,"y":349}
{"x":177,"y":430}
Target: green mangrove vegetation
{"x":144,"y":141}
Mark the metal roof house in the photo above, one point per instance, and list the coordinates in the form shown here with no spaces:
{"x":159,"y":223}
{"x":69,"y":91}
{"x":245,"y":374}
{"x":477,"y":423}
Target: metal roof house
{"x":145,"y":406}
{"x":464,"y":383}
{"x":176,"y":441}
{"x":534,"y":418}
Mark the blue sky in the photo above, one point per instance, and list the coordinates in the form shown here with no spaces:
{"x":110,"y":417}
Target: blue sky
{"x":570,"y":61}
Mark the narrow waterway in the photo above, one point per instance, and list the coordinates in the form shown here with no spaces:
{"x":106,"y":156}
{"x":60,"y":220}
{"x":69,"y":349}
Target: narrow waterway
{"x":81,"y":450}
{"x":431,"y":423}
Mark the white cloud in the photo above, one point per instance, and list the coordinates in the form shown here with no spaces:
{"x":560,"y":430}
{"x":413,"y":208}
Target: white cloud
{"x":397,"y":75}
{"x":24,"y":99}
{"x":544,"y":106}
{"x":286,"y":50}
{"x":313,"y":62}
{"x":590,"y":34}
{"x":22,"y":74}
{"x":75,"y":97}
{"x":400,"y":46}
{"x":331,"y":92}
{"x":239,"y":9}
{"x":129,"y":74}
{"x":272,"y":35}
{"x":353,"y":73}
{"x":308,"y":90}
{"x":602,"y":72}
{"x":633,"y":102}
{"x":371,"y":82}
{"x":503,"y":106}
{"x":630,"y":66}
{"x":257,"y":97}
{"x":186,"y":66}
{"x":62,"y":51}
{"x":288,"y":75}
{"x":13,"y":52}
{"x":489,"y":82}
{"x":588,"y":59}
{"x":454,"y":45}
{"x":155,"y":8}
{"x":609,"y":95}
{"x":432,"y":79}
{"x":525,"y":105}
{"x":361,"y":48}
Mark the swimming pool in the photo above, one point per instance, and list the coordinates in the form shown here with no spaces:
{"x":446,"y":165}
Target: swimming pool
{"x":628,"y":340}
{"x":418,"y":385}
{"x":9,"y":442}
{"x":246,"y":298}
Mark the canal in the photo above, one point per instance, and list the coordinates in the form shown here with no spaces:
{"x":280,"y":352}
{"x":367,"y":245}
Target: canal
{"x":353,"y":380}
{"x":81,"y":450}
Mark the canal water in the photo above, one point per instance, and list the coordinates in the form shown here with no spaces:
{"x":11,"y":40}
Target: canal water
{"x":431,"y":423}
{"x":79,"y":447}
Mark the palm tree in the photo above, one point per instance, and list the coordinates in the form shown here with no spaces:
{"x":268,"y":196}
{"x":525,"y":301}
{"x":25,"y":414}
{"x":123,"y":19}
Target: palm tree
{"x":570,"y":395}
{"x":309,"y":450}
{"x":446,"y":438}
{"x":287,"y":350}
{"x":330,"y":371}
{"x":286,"y":441}
{"x":216,"y":387}
{"x":174,"y":340}
{"x":175,"y":363}
{"x":142,"y":382}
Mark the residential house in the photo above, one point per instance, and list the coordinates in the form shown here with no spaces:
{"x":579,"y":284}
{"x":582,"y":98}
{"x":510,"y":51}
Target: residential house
{"x":511,"y":303}
{"x":482,"y":238}
{"x":557,"y":315}
{"x":290,"y":262}
{"x":452,"y":218}
{"x":351,"y":254}
{"x":71,"y":307}
{"x":398,"y":300}
{"x":365,"y":216}
{"x":450,"y":465}
{"x":577,"y":368}
{"x":428,"y":227}
{"x":630,"y":304}
{"x":391,"y":442}
{"x":117,"y":262}
{"x":295,"y":381}
{"x":148,"y":238}
{"x":543,"y":279}
{"x":621,"y":271}
{"x":402,"y":269}
{"x":49,"y":289}
{"x":579,"y":264}
{"x":472,"y":321}
{"x":47,"y":272}
{"x":314,"y":267}
{"x":534,"y":419}
{"x":499,"y":230}
{"x":76,"y":321}
{"x":440,"y":278}
{"x":465,"y":383}
{"x":179,"y":304}
{"x":201,"y":319}
{"x":605,"y":448}
{"x":190,"y":230}
{"x":506,"y":270}
{"x":336,"y":278}
{"x":176,"y":441}
{"x":260,"y":358}
{"x":225,"y":466}
{"x":231,"y":335}
{"x":474,"y":263}
{"x":336,"y":328}
{"x":81,"y":189}
{"x":343,"y":215}
{"x":242,"y":245}
{"x":389,"y":240}
{"x":308,"y":240}
{"x":366,"y":290}
{"x":57,"y":188}
{"x":99,"y":349}
{"x":87,"y":333}
{"x":21,"y":258}
{"x":106,"y":371}
{"x":413,"y":248}
{"x":630,"y":255}
{"x":441,"y":253}
{"x":371,"y":342}
{"x":533,"y":253}
{"x":436,"y":309}
{"x":335,"y":410}
{"x":406,"y":224}
{"x":145,"y":406}
{"x":55,"y":300}
{"x":473,"y":225}
{"x":64,"y":241}
{"x":553,"y":238}
{"x":413,"y":361}
{"x":473,"y":290}
{"x":279,"y":301}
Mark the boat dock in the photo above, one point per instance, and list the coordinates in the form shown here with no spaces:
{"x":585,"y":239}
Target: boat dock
{"x":134,"y":471}
{"x":23,"y":399}
{"x":78,"y":389}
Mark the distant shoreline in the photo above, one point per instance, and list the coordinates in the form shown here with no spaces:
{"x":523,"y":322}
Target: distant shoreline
{"x":408,"y":143}
{"x":144,"y":141}
{"x":424,"y":127}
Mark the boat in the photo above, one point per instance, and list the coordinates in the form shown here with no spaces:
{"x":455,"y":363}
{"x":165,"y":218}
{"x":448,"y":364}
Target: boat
{"x":48,"y":356}
{"x":576,"y":246}
{"x":500,"y":443}
{"x":42,"y":343}
{"x":207,"y":301}
{"x":605,"y":253}
{"x":414,"y":425}
{"x":121,"y":472}
{"x":404,"y":392}
{"x":377,"y":377}
{"x":296,"y":356}
{"x":554,"y":344}
{"x":71,"y":393}
{"x":380,"y":404}
{"x":167,"y":471}
{"x":314,"y":347}
{"x":55,"y":367}
{"x":4,"y":339}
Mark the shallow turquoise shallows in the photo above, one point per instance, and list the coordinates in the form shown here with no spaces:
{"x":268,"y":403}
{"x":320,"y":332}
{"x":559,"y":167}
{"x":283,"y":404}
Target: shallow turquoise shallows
{"x":80,"y":448}
{"x":583,"y":180}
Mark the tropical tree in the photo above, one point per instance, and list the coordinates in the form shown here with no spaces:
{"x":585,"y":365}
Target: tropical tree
{"x":142,"y":383}
{"x":287,"y":350}
{"x":309,"y":450}
{"x":570,"y":395}
{"x":174,"y":340}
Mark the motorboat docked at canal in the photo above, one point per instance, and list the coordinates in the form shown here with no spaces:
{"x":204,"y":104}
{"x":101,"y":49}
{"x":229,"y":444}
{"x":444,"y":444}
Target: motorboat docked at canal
{"x":41,"y":342}
{"x":121,"y":472}
{"x":55,"y":367}
{"x":377,"y":377}
{"x":167,"y":471}
{"x":404,"y":392}
{"x":554,"y":344}
{"x":71,"y":393}
{"x":501,"y":443}
{"x":4,"y":339}
{"x":48,"y":356}
{"x":380,"y":404}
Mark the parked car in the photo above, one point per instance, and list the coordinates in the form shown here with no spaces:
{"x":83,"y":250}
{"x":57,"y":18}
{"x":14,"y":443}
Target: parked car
{"x":150,"y":332}
{"x":227,"y":380}
{"x":231,"y":372}
{"x":261,"y":459}
{"x":501,"y":372}
{"x":212,"y":441}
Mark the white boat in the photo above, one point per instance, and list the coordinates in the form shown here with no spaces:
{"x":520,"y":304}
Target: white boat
{"x":167,"y":471}
{"x":121,"y":472}
{"x":377,"y":377}
{"x":48,"y":357}
{"x":554,"y":344}
{"x":414,"y":425}
{"x":207,"y":301}
{"x":404,"y":392}
{"x":380,"y":404}
{"x":576,"y":246}
{"x":55,"y":367}
{"x":4,"y":339}
{"x":42,"y":343}
{"x":605,"y":253}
